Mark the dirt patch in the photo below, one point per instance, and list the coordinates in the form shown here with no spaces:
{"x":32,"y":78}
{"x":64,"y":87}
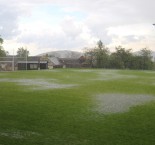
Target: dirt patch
{"x":115,"y":103}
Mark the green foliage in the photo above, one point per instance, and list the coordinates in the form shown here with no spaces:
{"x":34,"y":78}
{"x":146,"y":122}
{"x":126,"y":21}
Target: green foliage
{"x":3,"y":53}
{"x":101,"y":55}
{"x":98,"y":56}
{"x":1,"y":40}
{"x":122,"y":58}
{"x":90,"y":57}
{"x":146,"y":59}
{"x":21,"y":52}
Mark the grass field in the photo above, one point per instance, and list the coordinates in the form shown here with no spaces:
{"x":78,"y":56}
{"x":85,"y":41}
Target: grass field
{"x":77,"y":107}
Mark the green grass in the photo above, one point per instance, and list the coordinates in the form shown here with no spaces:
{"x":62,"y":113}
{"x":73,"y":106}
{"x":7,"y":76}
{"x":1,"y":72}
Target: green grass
{"x":65,"y":116}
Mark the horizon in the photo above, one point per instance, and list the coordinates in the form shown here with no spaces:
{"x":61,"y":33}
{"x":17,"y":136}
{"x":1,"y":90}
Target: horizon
{"x":134,"y":52}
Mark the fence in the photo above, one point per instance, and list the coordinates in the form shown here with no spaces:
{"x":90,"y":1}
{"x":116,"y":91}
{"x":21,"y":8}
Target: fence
{"x":9,"y":63}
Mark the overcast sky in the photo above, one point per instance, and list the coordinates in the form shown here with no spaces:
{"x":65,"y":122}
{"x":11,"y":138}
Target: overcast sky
{"x":48,"y":25}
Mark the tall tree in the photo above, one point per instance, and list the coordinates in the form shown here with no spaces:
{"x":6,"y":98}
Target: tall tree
{"x":97,"y":56}
{"x":89,"y":56}
{"x":102,"y":55}
{"x":121,"y":58}
{"x":2,"y":51}
{"x":1,"y":40}
{"x":21,"y":52}
{"x":146,"y":59}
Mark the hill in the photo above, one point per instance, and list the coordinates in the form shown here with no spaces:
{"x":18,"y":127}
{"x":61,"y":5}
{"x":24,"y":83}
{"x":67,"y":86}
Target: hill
{"x":63,"y":54}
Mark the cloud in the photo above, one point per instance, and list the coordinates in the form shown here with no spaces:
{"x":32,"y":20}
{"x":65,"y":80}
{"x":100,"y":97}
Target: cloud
{"x":8,"y":21}
{"x":67,"y":24}
{"x":71,"y":28}
{"x":70,"y":34}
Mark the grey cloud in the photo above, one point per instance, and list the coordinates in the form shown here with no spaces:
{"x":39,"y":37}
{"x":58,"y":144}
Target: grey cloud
{"x":70,"y":28}
{"x":53,"y":41}
{"x":10,"y":13}
{"x":9,"y":20}
{"x":114,"y":12}
{"x":134,"y":38}
{"x":101,"y":14}
{"x":110,"y":12}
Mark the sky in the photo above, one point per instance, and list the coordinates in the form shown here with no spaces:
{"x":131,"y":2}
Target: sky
{"x":42,"y":26}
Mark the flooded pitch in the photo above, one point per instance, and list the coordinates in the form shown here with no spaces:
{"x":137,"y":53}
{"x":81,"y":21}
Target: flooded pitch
{"x":115,"y":103}
{"x":39,"y":84}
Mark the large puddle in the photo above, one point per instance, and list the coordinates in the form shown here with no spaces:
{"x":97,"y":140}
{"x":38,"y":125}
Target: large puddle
{"x":113,"y":75}
{"x":39,"y":84}
{"x":18,"y":134}
{"x":115,"y":103}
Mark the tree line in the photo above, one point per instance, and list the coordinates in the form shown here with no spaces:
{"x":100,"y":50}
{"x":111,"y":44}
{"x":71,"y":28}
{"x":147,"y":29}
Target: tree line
{"x":21,"y":52}
{"x":100,"y":57}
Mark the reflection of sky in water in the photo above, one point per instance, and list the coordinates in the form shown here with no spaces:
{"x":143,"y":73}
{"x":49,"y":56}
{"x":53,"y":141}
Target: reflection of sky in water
{"x":115,"y":103}
{"x":40,"y":84}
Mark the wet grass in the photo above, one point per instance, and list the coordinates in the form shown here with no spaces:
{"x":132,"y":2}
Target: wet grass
{"x":65,"y":116}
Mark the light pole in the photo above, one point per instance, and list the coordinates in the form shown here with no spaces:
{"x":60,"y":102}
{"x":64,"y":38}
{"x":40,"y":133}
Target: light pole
{"x":154,"y":25}
{"x":13,"y":61}
{"x":26,"y":59}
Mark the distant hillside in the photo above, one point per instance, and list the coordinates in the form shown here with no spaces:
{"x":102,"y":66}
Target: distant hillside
{"x":64,"y":54}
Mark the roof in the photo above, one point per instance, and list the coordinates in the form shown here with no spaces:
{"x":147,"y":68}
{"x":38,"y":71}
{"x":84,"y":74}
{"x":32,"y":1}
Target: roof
{"x":55,"y":60}
{"x":69,"y":60}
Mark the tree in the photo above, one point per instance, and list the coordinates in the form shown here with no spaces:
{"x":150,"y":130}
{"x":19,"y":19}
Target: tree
{"x":3,"y":53}
{"x":89,"y":56}
{"x":102,"y":55}
{"x":135,"y":62}
{"x":146,"y":59}
{"x":97,"y":56}
{"x":1,"y":40}
{"x":21,"y":52}
{"x":121,"y":58}
{"x":115,"y":61}
{"x":100,"y":44}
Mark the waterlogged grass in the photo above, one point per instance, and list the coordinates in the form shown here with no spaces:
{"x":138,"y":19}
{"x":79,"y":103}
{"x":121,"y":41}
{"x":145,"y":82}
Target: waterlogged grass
{"x":71,"y":115}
